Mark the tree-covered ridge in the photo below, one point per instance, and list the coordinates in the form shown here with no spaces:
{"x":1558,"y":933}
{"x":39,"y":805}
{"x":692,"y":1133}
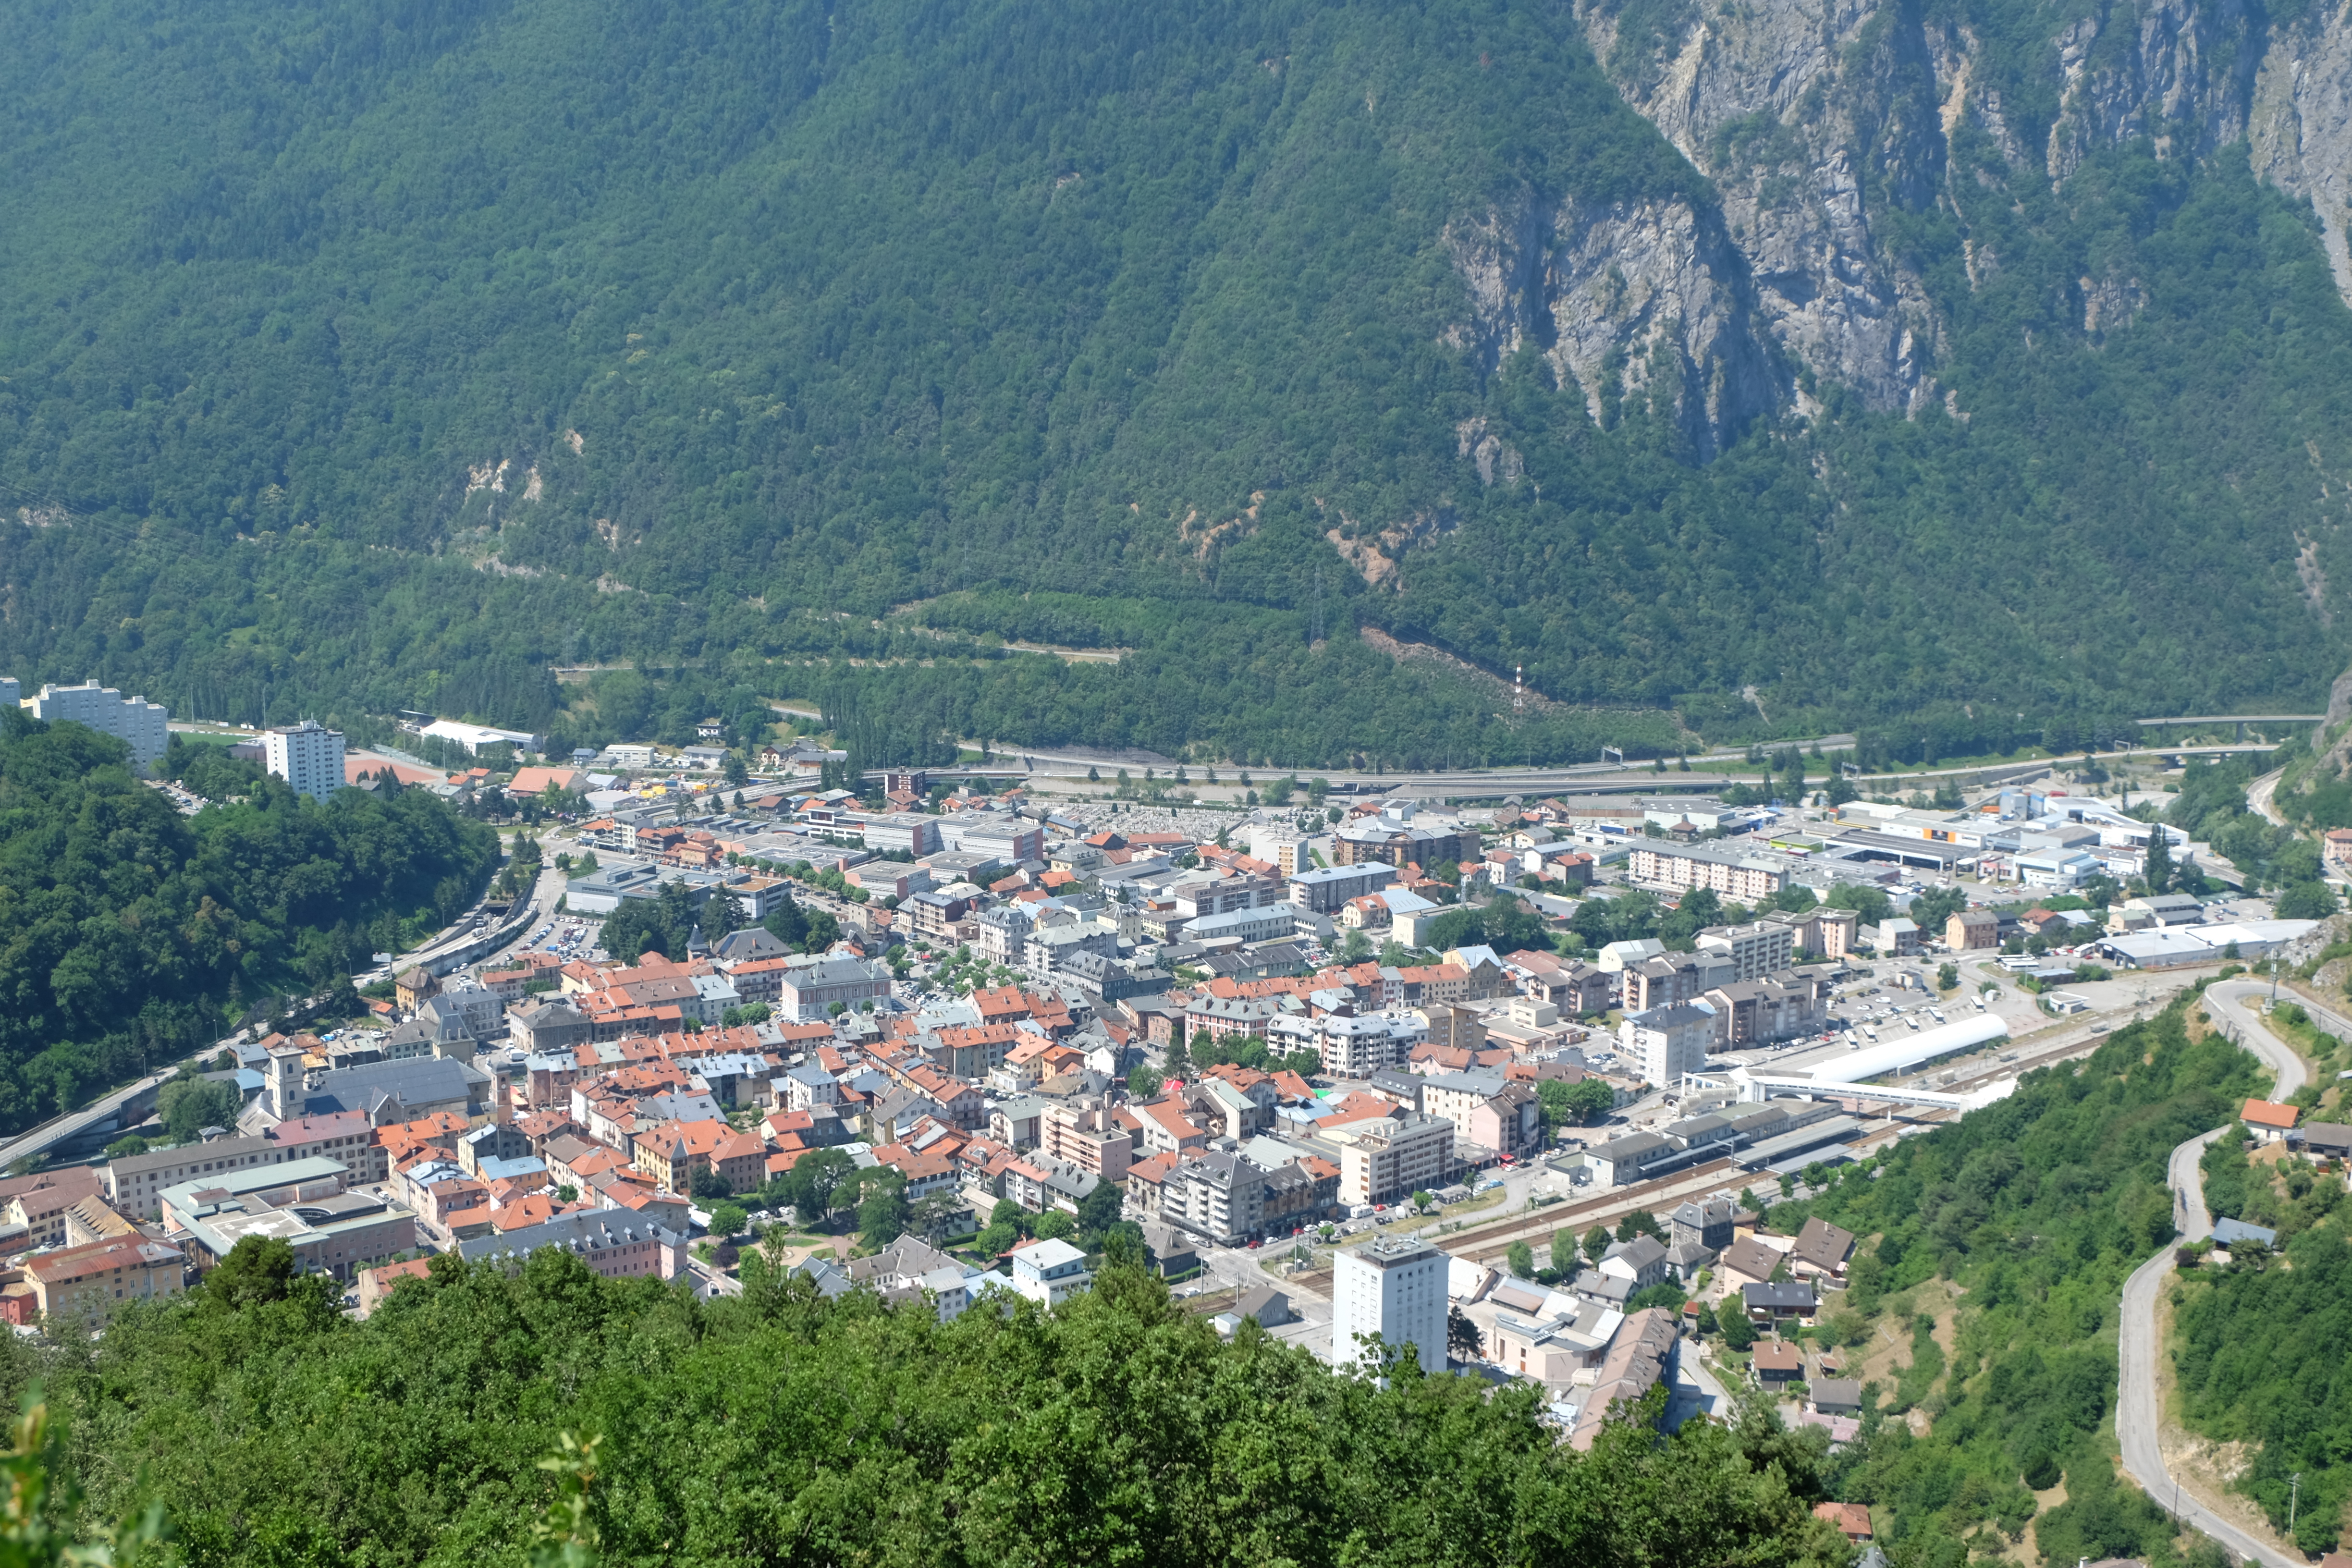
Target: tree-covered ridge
{"x":2032,"y":1212}
{"x":2258,"y":1345}
{"x":362,"y":358}
{"x":780,"y":1428}
{"x":130,"y":933}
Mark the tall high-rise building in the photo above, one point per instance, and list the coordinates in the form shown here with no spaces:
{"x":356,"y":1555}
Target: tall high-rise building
{"x":308,"y":756}
{"x":1396,"y":1288}
{"x":134,"y":719}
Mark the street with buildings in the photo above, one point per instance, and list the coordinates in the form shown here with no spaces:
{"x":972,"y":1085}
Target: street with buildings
{"x":1337,"y":1067}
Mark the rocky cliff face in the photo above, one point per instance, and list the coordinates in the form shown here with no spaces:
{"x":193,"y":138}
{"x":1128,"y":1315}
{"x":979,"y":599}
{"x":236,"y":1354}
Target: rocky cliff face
{"x":1633,"y":300}
{"x":2300,"y":123}
{"x":1816,"y":120}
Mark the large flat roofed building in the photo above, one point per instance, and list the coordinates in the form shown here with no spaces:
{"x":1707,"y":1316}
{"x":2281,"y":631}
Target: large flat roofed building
{"x":474,"y":737}
{"x":133,"y":720}
{"x":303,"y":1204}
{"x":1325,"y":890}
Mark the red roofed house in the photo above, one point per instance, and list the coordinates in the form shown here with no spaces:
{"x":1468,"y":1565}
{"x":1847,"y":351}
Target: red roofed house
{"x":1852,"y":1518}
{"x":927,"y":1171}
{"x":668,"y":1151}
{"x":2268,"y":1120}
{"x":375,"y":1284}
{"x":741,"y":1162}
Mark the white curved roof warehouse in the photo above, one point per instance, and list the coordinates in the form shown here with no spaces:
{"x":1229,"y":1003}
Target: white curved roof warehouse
{"x":1899,"y":1056}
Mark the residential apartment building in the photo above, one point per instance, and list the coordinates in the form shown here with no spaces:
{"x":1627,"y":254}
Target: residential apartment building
{"x":1747,"y":876}
{"x":612,"y":1244}
{"x":87,"y":1283}
{"x":1777,"y":1008}
{"x":308,"y":756}
{"x":1050,"y":1272}
{"x":1004,"y":935}
{"x":1390,"y":1157}
{"x":1219,"y":1195}
{"x":1392,"y":1289}
{"x":1327,"y":891}
{"x":135,"y":720}
{"x":43,"y":1202}
{"x":1754,"y":949}
{"x":1350,"y":1046}
{"x":1669,"y":1041}
{"x":1084,"y":1134}
{"x":1489,"y":1112}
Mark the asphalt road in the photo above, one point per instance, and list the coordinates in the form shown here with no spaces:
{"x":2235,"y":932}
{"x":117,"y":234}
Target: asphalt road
{"x":2137,"y":1418}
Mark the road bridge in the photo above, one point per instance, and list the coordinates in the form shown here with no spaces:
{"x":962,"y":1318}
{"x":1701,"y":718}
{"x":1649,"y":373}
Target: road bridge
{"x":2241,"y":720}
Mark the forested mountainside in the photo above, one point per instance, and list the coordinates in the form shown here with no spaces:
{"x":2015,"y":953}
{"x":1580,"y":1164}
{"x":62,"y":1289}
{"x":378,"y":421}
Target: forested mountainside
{"x":1732,"y":368}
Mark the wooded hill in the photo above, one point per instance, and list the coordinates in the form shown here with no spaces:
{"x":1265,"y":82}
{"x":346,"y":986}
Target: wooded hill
{"x":130,"y":934}
{"x":358,"y":357}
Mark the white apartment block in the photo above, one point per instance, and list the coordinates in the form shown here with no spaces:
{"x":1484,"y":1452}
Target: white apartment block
{"x":308,"y":756}
{"x":1669,"y":1041}
{"x":1756,"y":949}
{"x":1392,"y":1158}
{"x":133,"y":720}
{"x":1749,"y":876}
{"x":1394,"y":1287}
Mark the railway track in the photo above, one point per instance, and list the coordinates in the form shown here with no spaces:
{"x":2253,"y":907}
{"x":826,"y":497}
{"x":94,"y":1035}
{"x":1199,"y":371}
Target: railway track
{"x":1489,"y":1242}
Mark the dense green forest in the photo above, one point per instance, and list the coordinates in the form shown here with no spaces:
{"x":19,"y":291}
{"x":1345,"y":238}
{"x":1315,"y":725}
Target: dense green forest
{"x":129,"y":934}
{"x":360,"y":357}
{"x":778,"y":1427}
{"x":2013,"y":1228}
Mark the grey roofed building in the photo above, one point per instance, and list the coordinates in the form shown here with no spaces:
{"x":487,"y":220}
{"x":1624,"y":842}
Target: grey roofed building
{"x":1269,"y":1306}
{"x":1609,"y":1289}
{"x":1168,"y":1249}
{"x":2330,"y":1139}
{"x":1686,"y":1258}
{"x":2235,"y":1233}
{"x":831,"y":1278}
{"x":1641,"y":1255}
{"x":1780,"y":1301}
{"x":588,"y":1232}
{"x":1484,"y":1082}
{"x":407,"y":1041}
{"x":751,"y":943}
{"x":1400,"y":1084}
{"x":548,"y":1024}
{"x":1707,"y":1221}
{"x":401,"y":1091}
{"x":1822,"y":1246}
{"x":1837,"y":1396}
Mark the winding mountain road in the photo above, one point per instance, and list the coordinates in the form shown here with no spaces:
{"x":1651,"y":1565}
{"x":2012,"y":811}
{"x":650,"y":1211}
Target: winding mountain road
{"x":2138,"y":1417}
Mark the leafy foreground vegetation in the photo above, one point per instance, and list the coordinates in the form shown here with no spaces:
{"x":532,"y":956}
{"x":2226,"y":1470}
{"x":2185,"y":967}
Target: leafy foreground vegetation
{"x":399,"y":380}
{"x":130,"y":934}
{"x":778,"y":1427}
{"x":2011,"y":1232}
